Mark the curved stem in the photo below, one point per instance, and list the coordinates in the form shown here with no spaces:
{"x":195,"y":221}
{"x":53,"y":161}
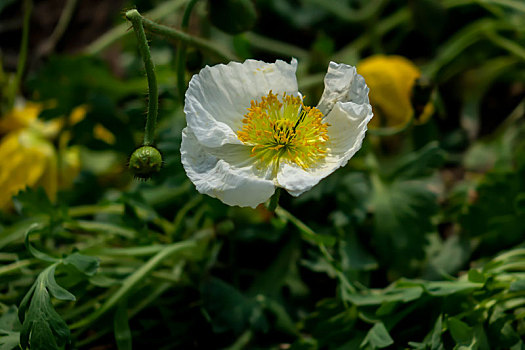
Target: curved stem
{"x":107,"y":39}
{"x":48,"y":46}
{"x":175,"y":34}
{"x":306,"y":232}
{"x":345,"y":13}
{"x":153,"y":102}
{"x":275,"y":46}
{"x":509,"y":45}
{"x":180,"y":62}
{"x":22,"y":58}
{"x":134,"y":280}
{"x":391,"y":131}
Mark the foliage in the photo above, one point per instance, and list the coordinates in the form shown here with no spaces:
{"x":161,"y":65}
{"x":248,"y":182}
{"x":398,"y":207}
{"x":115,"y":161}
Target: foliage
{"x":416,"y":244}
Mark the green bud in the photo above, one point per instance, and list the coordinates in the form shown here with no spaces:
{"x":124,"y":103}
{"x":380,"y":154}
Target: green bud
{"x":145,"y":162}
{"x":233,"y":16}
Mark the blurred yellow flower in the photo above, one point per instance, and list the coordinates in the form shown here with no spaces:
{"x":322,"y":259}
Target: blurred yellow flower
{"x":391,"y":80}
{"x":103,"y":134}
{"x":29,"y":158}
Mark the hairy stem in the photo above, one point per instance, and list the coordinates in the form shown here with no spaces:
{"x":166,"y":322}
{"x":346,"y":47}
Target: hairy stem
{"x":175,"y":34}
{"x":153,"y":100}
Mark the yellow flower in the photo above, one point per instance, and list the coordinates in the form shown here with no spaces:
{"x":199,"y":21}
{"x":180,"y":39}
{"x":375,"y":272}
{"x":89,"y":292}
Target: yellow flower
{"x":391,"y":80}
{"x":27,"y":156}
{"x":20,"y":117}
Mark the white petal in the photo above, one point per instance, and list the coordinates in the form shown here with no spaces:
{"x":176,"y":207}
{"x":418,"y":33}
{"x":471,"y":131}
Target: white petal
{"x":347,"y":128}
{"x":218,"y":97}
{"x":296,"y":180}
{"x":232,"y":179}
{"x":348,"y":124}
{"x":342,"y":84}
{"x":358,"y":91}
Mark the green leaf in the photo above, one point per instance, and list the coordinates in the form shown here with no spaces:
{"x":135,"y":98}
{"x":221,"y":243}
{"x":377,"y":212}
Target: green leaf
{"x":281,"y":270}
{"x":32,"y":202}
{"x":88,"y":265}
{"x":35,"y":252}
{"x":9,"y":320}
{"x":420,"y":164}
{"x":437,"y":343}
{"x":121,"y":327}
{"x":404,"y":204}
{"x":354,"y":256}
{"x":9,"y":340}
{"x":54,"y":289}
{"x":460,"y":331}
{"x":402,"y":213}
{"x":42,"y":326}
{"x":476,"y":276}
{"x":353,"y":193}
{"x":378,"y":337}
{"x":9,"y":329}
{"x":229,"y":309}
{"x":446,"y":258}
{"x":517,"y":286}
{"x":518,"y":346}
{"x":372,"y":297}
{"x":332,"y":323}
{"x":17,"y":231}
{"x":444,"y":288}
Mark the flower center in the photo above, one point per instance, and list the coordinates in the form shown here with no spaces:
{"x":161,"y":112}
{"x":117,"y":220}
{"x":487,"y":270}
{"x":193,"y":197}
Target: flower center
{"x":284,"y":130}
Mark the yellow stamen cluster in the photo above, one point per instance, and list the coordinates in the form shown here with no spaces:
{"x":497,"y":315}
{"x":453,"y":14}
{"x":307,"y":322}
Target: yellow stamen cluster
{"x":284,"y":130}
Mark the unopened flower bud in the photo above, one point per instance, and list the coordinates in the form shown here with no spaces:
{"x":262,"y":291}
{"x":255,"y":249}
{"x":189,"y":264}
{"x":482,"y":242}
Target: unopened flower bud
{"x":145,"y":162}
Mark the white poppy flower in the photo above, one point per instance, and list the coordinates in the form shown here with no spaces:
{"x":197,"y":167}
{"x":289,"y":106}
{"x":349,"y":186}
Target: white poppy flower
{"x":249,"y":132}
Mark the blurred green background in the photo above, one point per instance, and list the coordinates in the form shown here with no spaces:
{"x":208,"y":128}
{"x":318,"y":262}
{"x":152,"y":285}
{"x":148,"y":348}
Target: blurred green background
{"x":416,"y":244}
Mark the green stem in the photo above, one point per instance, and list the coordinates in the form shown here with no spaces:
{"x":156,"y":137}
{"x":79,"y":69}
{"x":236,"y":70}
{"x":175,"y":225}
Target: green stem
{"x":113,"y":35}
{"x":504,"y":43}
{"x":22,"y":58}
{"x":14,"y":267}
{"x":118,"y":209}
{"x":181,"y":215}
{"x":175,"y":34}
{"x":48,"y":46}
{"x":180,"y":62}
{"x":159,"y":290}
{"x":391,"y":131}
{"x":383,"y":27}
{"x":96,"y":226}
{"x":153,"y":103}
{"x":344,"y":12}
{"x":274,"y":200}
{"x":134,"y":280}
{"x":276,"y":46}
{"x":306,"y":232}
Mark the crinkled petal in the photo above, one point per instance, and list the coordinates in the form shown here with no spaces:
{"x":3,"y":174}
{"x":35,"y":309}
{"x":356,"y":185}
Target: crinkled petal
{"x":347,"y":128}
{"x":218,"y":97}
{"x":342,"y":84}
{"x":348,"y":124}
{"x":230,"y":178}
